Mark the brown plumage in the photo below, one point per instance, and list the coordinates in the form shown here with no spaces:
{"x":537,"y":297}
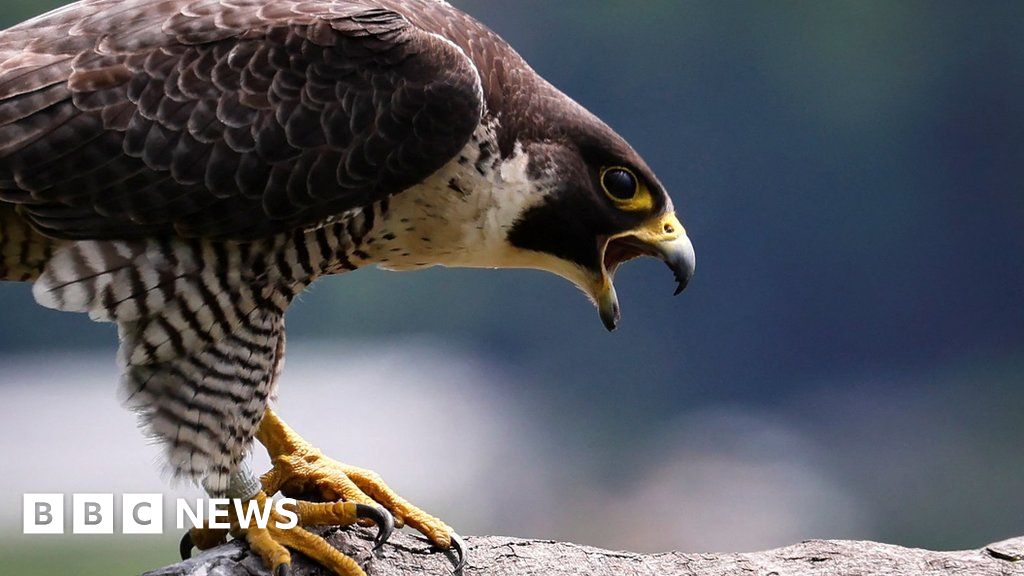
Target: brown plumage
{"x":184,"y":168}
{"x":236,"y":123}
{"x":229,"y":119}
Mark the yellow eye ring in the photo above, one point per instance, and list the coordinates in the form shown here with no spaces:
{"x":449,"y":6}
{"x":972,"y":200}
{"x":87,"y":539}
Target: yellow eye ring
{"x":622,"y":186}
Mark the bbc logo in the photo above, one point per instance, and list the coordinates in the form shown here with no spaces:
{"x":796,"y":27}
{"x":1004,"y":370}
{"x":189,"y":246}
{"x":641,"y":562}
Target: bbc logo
{"x":92,"y":513}
{"x":144,"y":513}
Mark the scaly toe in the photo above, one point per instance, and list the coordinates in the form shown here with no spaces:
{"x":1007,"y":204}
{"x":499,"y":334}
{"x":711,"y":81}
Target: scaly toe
{"x":345,"y":514}
{"x":299,"y":468}
{"x":318,"y":550}
{"x":405,"y":513}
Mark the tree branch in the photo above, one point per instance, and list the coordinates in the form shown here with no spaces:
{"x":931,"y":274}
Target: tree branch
{"x":406,"y":555}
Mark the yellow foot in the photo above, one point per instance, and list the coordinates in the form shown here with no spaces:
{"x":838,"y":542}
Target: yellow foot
{"x":299,"y":469}
{"x":272,"y":543}
{"x":352,"y":494}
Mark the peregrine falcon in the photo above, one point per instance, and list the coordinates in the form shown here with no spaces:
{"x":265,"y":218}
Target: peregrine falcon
{"x":185,"y":168}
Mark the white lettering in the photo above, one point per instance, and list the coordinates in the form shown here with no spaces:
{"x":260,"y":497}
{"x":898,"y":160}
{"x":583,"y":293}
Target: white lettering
{"x":195,"y":516}
{"x":218,"y":508}
{"x":284,"y":508}
{"x":251,"y":509}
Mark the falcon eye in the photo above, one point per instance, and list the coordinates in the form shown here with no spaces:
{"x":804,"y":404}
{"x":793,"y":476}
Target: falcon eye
{"x":619,"y":183}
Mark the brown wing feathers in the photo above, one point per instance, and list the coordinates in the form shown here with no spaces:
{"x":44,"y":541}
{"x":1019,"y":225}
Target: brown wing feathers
{"x":218,"y":118}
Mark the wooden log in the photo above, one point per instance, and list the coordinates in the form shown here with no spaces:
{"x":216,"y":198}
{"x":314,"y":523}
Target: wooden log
{"x":407,"y":555}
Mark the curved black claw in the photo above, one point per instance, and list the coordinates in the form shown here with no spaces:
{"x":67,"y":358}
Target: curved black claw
{"x":185,"y":547}
{"x":382,"y":518}
{"x":459,"y":550}
{"x":283,"y":570}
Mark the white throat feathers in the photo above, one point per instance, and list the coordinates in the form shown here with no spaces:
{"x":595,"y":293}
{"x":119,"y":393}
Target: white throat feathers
{"x":460,"y":216}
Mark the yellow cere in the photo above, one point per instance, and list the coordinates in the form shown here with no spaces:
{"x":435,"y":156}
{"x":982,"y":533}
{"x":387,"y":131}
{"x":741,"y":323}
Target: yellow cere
{"x":664,"y":228}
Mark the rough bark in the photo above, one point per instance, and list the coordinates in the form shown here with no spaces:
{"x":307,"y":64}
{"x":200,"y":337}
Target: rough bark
{"x":406,"y":555}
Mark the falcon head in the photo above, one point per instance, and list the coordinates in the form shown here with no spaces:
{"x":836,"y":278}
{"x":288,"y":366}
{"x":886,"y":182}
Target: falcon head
{"x":599,"y":205}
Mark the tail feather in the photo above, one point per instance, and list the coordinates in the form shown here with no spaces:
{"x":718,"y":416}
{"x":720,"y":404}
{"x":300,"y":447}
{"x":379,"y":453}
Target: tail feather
{"x":23,"y":251}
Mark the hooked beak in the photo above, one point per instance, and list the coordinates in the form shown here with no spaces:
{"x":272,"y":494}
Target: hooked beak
{"x":663,"y":237}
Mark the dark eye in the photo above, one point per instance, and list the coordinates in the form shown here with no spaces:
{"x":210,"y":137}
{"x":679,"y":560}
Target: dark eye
{"x":619,"y":183}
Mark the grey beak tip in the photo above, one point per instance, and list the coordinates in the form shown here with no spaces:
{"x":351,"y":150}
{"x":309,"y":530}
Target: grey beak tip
{"x":683,"y":279}
{"x":682,"y":262}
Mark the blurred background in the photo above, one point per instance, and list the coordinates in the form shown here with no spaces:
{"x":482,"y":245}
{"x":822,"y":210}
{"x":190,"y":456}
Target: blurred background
{"x":848,"y":363}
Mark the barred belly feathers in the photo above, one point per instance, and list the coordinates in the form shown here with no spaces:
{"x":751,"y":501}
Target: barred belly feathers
{"x":185,"y":168}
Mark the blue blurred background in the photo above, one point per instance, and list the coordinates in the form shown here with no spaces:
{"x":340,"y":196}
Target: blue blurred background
{"x":849,"y":361}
